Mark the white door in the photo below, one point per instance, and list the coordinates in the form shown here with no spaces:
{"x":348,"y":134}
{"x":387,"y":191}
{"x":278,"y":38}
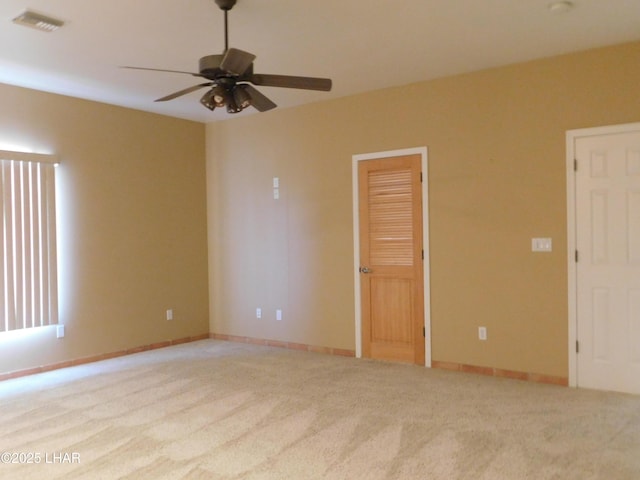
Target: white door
{"x":607,"y":238}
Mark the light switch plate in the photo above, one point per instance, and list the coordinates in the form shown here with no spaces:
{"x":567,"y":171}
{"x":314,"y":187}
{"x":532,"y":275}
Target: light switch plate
{"x":541,"y":244}
{"x":482,"y":333}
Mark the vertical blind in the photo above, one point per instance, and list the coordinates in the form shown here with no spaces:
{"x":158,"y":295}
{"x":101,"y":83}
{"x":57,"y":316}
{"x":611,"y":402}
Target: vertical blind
{"x":28,"y":267}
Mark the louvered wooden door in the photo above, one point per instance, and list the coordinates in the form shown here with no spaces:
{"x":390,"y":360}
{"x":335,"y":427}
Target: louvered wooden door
{"x":390,"y":211}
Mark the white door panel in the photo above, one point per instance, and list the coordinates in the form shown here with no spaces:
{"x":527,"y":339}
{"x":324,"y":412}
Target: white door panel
{"x":607,"y":202}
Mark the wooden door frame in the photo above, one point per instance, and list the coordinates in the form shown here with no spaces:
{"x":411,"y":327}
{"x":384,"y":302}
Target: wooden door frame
{"x":572,"y":270}
{"x":422,"y":151}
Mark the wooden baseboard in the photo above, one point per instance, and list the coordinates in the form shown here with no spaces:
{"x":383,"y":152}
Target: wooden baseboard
{"x":97,"y":358}
{"x":290,"y":345}
{"x":489,"y":371}
{"x":498,"y":372}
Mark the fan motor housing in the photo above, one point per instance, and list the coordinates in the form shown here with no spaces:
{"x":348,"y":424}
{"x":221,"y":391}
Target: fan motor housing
{"x":210,"y":66}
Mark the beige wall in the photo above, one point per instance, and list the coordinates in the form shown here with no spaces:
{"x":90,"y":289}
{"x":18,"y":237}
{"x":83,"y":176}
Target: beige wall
{"x":132,"y":225}
{"x":133,"y":216}
{"x":496,"y":143}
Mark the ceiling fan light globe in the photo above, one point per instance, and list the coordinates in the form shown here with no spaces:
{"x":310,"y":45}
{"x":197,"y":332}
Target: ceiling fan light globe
{"x":232,"y":106}
{"x":241,"y":97}
{"x":207,"y":100}
{"x":219,"y":96}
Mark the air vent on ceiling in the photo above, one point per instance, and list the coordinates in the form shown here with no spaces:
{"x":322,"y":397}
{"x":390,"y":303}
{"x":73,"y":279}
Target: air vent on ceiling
{"x":38,"y":21}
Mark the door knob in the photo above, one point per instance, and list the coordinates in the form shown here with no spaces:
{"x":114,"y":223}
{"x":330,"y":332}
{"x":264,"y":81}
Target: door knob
{"x":365,"y":270}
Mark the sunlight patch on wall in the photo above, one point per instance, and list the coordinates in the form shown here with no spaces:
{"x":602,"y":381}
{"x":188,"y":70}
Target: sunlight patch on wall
{"x":65,"y":244}
{"x":22,"y":148}
{"x":25,"y":333}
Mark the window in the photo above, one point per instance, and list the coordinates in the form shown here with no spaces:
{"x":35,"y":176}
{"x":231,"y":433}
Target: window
{"x":28,"y":263}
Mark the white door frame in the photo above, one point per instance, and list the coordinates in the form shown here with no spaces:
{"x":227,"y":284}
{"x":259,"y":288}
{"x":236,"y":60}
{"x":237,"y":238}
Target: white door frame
{"x":572,"y":137}
{"x":422,"y":151}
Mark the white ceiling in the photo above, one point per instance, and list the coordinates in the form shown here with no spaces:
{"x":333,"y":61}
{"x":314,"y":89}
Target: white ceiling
{"x":362,"y":45}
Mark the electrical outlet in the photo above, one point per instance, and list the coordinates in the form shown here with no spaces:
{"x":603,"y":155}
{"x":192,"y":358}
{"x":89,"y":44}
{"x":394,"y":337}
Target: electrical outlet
{"x":170,"y":314}
{"x":482,"y":333}
{"x":258,"y":313}
{"x":278,"y":314}
{"x":59,"y":331}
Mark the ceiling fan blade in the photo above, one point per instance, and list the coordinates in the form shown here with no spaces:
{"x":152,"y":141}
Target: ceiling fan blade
{"x":287,"y":81}
{"x":183,"y":92}
{"x":236,"y":62}
{"x":258,"y":100}
{"x":162,"y":70}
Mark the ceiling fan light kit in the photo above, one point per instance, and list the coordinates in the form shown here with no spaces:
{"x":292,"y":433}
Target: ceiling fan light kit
{"x":230,"y":76}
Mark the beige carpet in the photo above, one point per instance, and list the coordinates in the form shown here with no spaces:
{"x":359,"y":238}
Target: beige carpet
{"x":219,"y":410}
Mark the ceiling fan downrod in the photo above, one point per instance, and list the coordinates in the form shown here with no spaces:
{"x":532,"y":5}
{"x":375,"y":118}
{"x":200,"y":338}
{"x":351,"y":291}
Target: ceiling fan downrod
{"x":226,"y":5}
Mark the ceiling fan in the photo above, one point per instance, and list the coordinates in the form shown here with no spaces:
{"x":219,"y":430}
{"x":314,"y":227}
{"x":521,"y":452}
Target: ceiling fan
{"x":229,"y":75}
